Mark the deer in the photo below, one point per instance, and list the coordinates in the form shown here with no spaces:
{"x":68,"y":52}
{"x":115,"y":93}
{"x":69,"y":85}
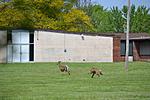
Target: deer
{"x":96,"y":71}
{"x":63,"y":67}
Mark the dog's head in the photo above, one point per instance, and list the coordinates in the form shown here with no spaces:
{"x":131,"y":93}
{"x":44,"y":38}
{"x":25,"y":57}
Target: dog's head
{"x":58,"y":62}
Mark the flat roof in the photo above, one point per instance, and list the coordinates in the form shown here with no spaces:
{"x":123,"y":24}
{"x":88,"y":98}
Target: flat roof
{"x":132,"y":36}
{"x":135,"y":36}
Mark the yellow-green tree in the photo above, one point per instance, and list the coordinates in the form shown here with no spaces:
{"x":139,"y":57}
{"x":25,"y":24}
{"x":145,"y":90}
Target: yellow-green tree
{"x":43,"y":14}
{"x":76,"y":20}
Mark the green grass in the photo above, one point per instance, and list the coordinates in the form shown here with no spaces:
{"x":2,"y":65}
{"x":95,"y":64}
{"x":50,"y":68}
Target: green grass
{"x":43,"y":81}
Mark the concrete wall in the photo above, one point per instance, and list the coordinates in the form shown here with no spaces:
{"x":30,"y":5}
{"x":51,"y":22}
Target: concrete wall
{"x":3,"y":46}
{"x":49,"y":47}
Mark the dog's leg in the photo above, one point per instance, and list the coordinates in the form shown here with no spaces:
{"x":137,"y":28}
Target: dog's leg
{"x":92,"y":75}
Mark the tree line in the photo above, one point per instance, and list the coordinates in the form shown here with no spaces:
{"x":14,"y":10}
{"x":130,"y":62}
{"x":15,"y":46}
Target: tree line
{"x":71,"y":15}
{"x":114,"y":20}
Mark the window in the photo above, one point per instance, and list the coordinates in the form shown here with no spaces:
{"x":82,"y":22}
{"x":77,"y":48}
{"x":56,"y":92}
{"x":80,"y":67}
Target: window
{"x":145,"y":48}
{"x":123,"y":48}
{"x":20,"y":46}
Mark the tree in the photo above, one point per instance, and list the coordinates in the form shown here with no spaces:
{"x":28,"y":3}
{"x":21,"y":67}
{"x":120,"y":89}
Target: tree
{"x":100,"y":18}
{"x":41,"y":14}
{"x":117,"y":20}
{"x":16,"y":14}
{"x":141,"y":22}
{"x":139,"y":19}
{"x":76,"y":21}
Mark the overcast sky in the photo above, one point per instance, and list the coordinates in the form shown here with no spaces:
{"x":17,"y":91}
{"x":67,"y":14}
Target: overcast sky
{"x":120,"y":3}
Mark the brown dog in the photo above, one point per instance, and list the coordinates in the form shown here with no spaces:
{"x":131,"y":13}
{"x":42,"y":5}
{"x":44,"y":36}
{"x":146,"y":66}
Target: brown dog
{"x":63,"y":68}
{"x":96,"y":71}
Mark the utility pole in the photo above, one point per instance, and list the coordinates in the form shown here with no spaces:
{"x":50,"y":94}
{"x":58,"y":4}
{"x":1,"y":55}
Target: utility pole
{"x":127,"y":37}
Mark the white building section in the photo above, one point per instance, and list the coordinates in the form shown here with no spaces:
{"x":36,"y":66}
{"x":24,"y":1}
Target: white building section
{"x":53,"y":46}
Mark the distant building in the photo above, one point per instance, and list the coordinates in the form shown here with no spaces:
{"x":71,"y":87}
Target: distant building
{"x":139,"y":47}
{"x":52,"y":46}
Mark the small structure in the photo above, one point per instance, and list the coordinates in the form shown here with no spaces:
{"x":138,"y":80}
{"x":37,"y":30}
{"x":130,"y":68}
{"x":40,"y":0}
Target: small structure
{"x":53,"y":46}
{"x":139,"y":47}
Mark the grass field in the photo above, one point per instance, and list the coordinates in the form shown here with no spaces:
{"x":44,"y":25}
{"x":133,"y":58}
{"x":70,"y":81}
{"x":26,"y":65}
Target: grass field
{"x":43,"y":81}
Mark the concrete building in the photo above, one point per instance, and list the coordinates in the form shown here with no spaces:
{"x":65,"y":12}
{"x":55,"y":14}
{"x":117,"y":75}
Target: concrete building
{"x":53,"y":46}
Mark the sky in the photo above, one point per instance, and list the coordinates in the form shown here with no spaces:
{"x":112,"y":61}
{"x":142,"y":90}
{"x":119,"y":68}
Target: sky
{"x":120,"y":3}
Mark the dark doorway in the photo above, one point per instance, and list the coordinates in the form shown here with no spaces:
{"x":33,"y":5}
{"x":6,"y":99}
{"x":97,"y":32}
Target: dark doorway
{"x":31,"y":48}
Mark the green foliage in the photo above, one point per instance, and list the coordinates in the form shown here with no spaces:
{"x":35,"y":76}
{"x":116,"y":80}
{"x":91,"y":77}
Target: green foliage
{"x":100,"y":18}
{"x":76,"y":21}
{"x":43,"y":14}
{"x":64,"y":15}
{"x":141,"y":20}
{"x":117,"y":20}
{"x":114,"y":20}
{"x":16,"y":14}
